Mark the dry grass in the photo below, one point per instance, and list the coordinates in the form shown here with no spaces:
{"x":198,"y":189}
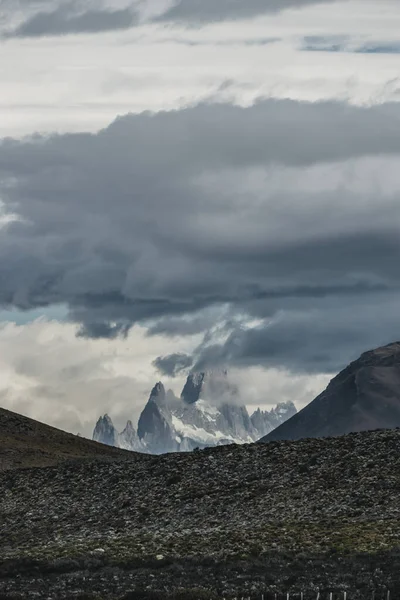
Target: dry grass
{"x":28,"y":443}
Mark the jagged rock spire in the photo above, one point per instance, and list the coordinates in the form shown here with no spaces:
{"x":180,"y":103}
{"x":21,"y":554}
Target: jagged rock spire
{"x":105,"y":432}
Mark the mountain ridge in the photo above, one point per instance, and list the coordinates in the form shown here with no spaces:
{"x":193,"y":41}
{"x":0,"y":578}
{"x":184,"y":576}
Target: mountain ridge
{"x":364,"y":396}
{"x":208,"y":413}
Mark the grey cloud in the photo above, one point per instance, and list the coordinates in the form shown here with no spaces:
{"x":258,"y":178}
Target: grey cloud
{"x":173,"y":364}
{"x":229,"y":42}
{"x":78,"y":16}
{"x":329,"y":43}
{"x":67,"y":382}
{"x":99,"y":330}
{"x":188,"y":324}
{"x":65,"y":19}
{"x":340,"y":43}
{"x":208,"y":11}
{"x":166,"y":218}
{"x":382,"y":48}
{"x":321,"y":339}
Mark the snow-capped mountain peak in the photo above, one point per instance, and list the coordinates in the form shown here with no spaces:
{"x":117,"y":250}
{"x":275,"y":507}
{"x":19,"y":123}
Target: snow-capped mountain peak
{"x":208,"y":413}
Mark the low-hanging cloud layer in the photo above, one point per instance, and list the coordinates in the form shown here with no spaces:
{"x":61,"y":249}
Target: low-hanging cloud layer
{"x":284,"y":212}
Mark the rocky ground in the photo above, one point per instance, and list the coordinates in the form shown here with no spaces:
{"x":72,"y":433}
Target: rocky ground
{"x":228,"y":521}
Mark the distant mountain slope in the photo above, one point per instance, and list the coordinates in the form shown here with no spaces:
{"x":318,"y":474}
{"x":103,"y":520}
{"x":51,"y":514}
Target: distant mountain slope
{"x":364,"y":396}
{"x":28,"y":443}
{"x":208,"y":413}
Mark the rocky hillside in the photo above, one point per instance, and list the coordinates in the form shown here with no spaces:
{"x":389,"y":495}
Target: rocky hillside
{"x":364,"y":396}
{"x":28,"y":443}
{"x":208,"y":413}
{"x":227,"y":522}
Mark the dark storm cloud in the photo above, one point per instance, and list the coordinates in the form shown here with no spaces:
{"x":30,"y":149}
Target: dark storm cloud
{"x":323,"y":338}
{"x":65,"y":20}
{"x":101,"y":330}
{"x":185,"y":326}
{"x":208,"y":11}
{"x":163,"y":219}
{"x":173,"y":364}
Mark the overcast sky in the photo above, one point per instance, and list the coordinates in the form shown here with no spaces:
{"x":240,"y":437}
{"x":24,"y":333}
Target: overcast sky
{"x":189,"y":185}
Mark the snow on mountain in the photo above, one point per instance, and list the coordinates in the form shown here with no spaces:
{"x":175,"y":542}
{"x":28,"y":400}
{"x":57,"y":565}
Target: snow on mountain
{"x":208,"y":413}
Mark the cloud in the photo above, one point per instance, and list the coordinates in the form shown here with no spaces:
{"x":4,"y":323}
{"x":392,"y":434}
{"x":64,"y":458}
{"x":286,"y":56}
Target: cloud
{"x":65,"y":20}
{"x":173,"y":364}
{"x":202,"y":218}
{"x":261,"y":41}
{"x":189,"y":324}
{"x":340,"y":43}
{"x":382,"y":48}
{"x":321,"y":339}
{"x":266,"y":387}
{"x":50,"y":374}
{"x":208,"y":11}
{"x":79,"y":16}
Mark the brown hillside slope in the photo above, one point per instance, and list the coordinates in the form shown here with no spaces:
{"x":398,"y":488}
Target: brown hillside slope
{"x":364,"y":396}
{"x":28,"y":443}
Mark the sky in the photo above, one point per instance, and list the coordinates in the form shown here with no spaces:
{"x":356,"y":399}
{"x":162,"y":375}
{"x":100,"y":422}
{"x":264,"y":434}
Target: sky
{"x":188,"y":185}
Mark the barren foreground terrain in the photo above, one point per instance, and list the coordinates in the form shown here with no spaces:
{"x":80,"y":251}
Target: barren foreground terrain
{"x":235,"y":520}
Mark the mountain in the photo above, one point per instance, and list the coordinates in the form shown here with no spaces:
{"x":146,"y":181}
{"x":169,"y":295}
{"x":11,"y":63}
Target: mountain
{"x":266,"y":421}
{"x":155,"y":429}
{"x":28,"y":443}
{"x":105,"y":432}
{"x":364,"y":396}
{"x":208,"y":413}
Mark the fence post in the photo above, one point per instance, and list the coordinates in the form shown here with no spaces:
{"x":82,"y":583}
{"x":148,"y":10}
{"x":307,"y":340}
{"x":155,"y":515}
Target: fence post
{"x":301,"y":596}
{"x":388,"y":595}
{"x":344,"y":595}
{"x":318,"y":596}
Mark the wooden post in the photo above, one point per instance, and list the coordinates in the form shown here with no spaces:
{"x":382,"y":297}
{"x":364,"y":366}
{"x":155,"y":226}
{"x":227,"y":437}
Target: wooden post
{"x":344,"y":595}
{"x":388,"y":595}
